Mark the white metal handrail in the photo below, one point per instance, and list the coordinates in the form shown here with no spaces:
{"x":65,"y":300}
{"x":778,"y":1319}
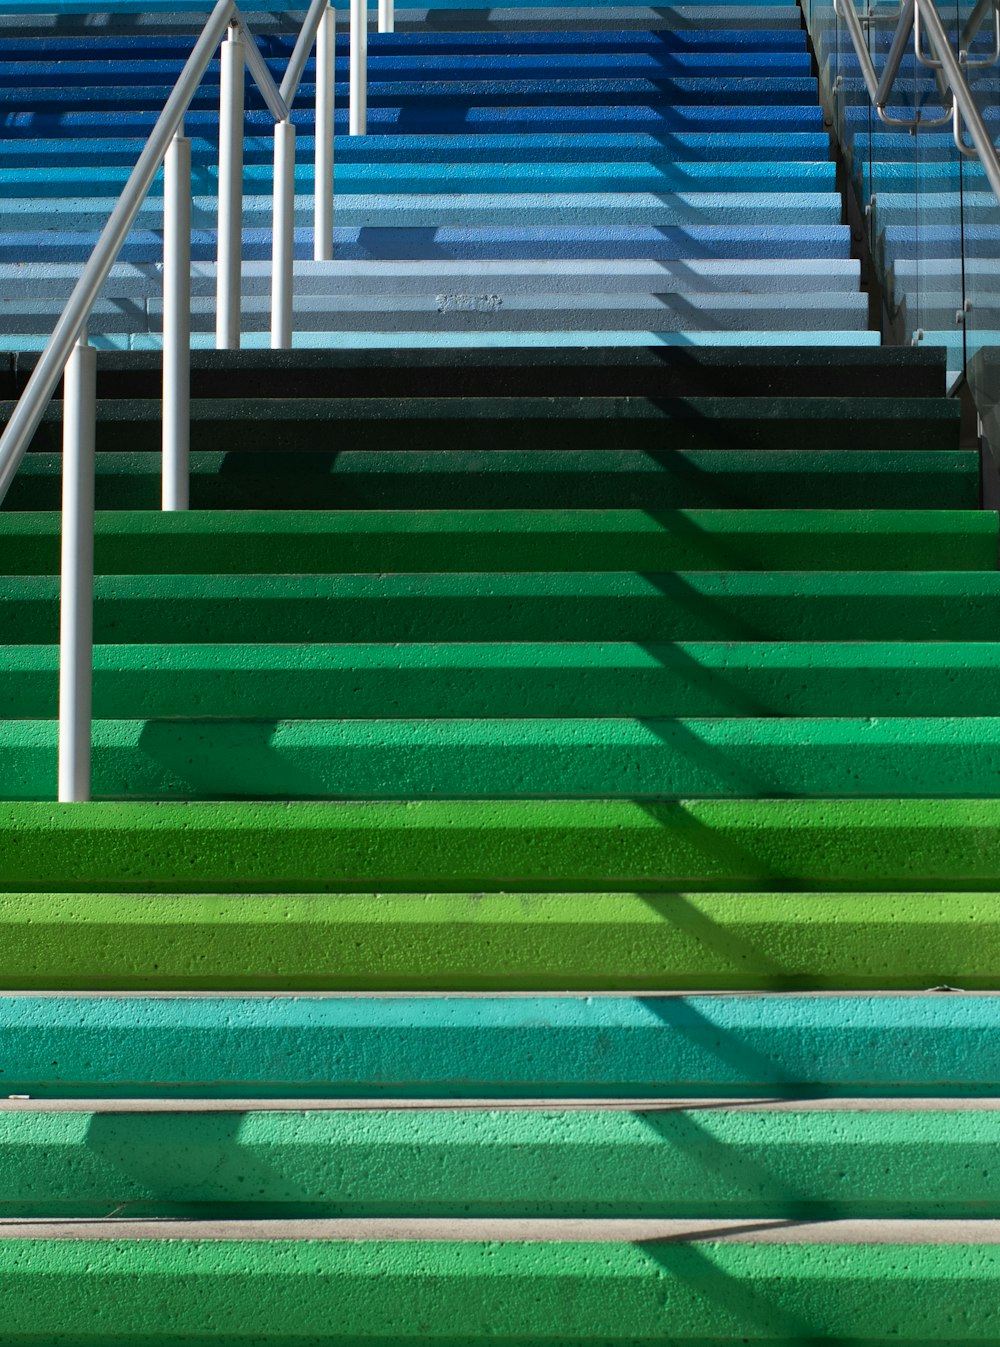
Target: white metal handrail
{"x":916,"y":18}
{"x":68,"y":354}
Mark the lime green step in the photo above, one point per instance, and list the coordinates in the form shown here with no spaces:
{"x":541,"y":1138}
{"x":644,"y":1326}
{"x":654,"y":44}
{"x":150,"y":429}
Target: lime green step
{"x":230,"y":759}
{"x":662,"y":479}
{"x":521,"y":845}
{"x":292,"y":542}
{"x":616,"y":606}
{"x":305,"y":682}
{"x":497,"y":942}
{"x":728,"y":1162}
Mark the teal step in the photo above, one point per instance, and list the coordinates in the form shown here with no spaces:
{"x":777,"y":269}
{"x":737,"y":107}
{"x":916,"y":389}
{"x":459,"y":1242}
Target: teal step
{"x":738,"y":1162}
{"x":306,"y":682}
{"x":582,"y":479}
{"x":309,"y":542}
{"x":231,"y":759}
{"x":674,"y":606}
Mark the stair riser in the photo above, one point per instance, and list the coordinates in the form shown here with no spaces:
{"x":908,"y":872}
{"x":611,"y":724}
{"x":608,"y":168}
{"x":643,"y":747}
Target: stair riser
{"x":660,"y":1163}
{"x":510,"y":943}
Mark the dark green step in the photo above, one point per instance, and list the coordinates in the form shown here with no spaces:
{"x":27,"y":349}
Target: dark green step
{"x":467,"y":846}
{"x":482,"y":759}
{"x":659,"y":371}
{"x":657,"y":607}
{"x":571,"y":479}
{"x":484,"y":424}
{"x":269,"y":541}
{"x":305,"y":682}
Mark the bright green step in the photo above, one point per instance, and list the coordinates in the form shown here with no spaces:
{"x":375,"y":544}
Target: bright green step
{"x":523,"y":845}
{"x":303,"y":682}
{"x":489,"y":759}
{"x":671,"y":1162}
{"x":410,"y":479}
{"x":128,"y":542}
{"x":657,"y":607}
{"x":497,"y":942}
{"x":335,"y":424}
{"x":162,"y":1292}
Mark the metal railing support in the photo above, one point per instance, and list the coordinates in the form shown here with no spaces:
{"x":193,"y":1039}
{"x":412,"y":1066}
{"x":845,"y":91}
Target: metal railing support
{"x":230,"y":224}
{"x":358,"y":117}
{"x":386,"y":16}
{"x":323,"y":177}
{"x":176,"y":323}
{"x":283,"y":236}
{"x":76,"y":608}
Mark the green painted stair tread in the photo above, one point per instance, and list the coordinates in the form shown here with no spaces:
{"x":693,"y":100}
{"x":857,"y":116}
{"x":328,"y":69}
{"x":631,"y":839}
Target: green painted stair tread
{"x":496,"y":942}
{"x":882,"y":478}
{"x":304,"y":682}
{"x":162,"y":1292}
{"x":313,"y":541}
{"x":521,"y":845}
{"x":569,"y":606}
{"x":335,"y":424}
{"x":448,"y":1163}
{"x":230,"y":759}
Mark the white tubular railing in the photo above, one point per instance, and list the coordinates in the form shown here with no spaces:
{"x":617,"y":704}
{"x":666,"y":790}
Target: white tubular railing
{"x":68,"y":354}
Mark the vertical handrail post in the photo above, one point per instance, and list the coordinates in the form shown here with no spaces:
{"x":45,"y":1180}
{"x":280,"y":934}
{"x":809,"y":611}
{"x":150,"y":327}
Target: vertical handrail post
{"x":323,"y":179}
{"x":176,"y":323}
{"x":230,"y":223}
{"x":283,"y":236}
{"x":76,"y":593}
{"x":386,"y":16}
{"x":358,"y":116}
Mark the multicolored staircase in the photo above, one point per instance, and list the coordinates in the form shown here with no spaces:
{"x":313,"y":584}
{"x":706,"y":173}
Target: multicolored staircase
{"x":542,"y":880}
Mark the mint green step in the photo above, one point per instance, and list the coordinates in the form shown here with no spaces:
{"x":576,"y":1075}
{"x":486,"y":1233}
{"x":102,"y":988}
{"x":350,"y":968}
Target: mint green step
{"x":615,"y":606}
{"x":881,"y":478}
{"x":731,"y":1162}
{"x":230,"y":759}
{"x":162,"y":1292}
{"x":316,"y":541}
{"x":306,"y":682}
{"x":427,"y":942}
{"x":522,"y":845}
{"x":338,"y":424}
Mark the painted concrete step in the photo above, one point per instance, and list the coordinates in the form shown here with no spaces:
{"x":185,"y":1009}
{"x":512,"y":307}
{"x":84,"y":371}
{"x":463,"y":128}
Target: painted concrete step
{"x":660,"y":759}
{"x":494,"y":1282}
{"x":527,"y":479}
{"x":481,"y":310}
{"x":554,"y":423}
{"x":621,"y":606}
{"x":432,"y":211}
{"x":480,"y":243}
{"x":99,"y":180}
{"x":734,"y":146}
{"x":672,"y":1162}
{"x":487,"y":941}
{"x":264,"y":541}
{"x":528,"y":846}
{"x":476,"y":1046}
{"x":305,"y":682}
{"x":729,"y":370}
{"x":48,"y":284}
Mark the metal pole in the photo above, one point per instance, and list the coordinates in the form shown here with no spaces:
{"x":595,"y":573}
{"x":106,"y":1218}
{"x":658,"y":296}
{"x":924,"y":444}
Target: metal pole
{"x":227,"y":320}
{"x":176,"y":323}
{"x":283,"y":239}
{"x":358,"y":120}
{"x":76,"y":606}
{"x":323,"y":184}
{"x":386,"y":16}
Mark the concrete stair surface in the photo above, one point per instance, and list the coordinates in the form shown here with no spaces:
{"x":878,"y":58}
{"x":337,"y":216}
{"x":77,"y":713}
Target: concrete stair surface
{"x":542,"y":878}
